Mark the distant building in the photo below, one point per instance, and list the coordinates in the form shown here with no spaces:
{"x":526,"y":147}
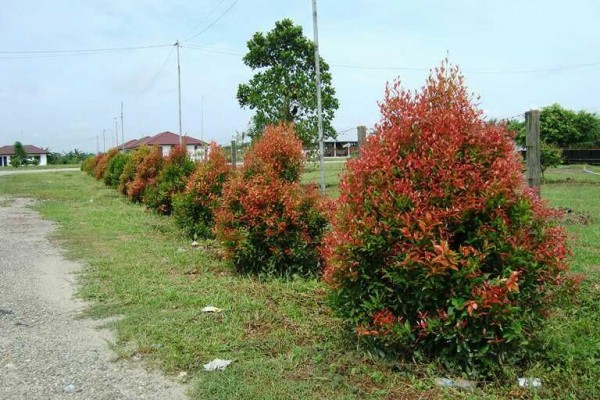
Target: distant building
{"x":166,"y":141}
{"x":34,"y":153}
{"x":343,"y":146}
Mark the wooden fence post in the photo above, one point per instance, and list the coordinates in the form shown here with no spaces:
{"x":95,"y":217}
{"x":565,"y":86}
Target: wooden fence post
{"x":233,"y":155}
{"x":362,"y":135}
{"x":532,"y":144}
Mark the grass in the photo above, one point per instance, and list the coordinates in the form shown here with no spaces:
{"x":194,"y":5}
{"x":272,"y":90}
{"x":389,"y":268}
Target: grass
{"x":333,"y":169}
{"x":50,"y":166}
{"x":284,"y":339}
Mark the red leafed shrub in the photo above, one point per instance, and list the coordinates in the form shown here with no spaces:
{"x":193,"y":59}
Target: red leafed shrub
{"x":279,"y":151}
{"x":146,"y":172}
{"x":194,"y":208}
{"x":128,"y":173}
{"x":172,"y":179}
{"x":102,"y":161}
{"x":436,"y":247}
{"x":268,"y":223}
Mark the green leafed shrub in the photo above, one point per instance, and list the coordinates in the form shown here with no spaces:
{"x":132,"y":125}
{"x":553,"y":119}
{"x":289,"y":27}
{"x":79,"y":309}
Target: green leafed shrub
{"x":550,"y":156}
{"x":102,"y":163}
{"x":148,"y":164}
{"x":114,"y":169}
{"x":89,"y":164}
{"x":194,"y":209}
{"x":268,"y":223}
{"x":172,"y":179}
{"x":129,"y":169}
{"x":436,"y":249}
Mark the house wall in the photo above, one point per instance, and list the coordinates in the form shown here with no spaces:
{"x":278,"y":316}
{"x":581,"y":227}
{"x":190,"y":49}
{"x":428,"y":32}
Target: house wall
{"x":4,"y":161}
{"x":43,"y":159}
{"x":197,"y":153}
{"x":165,"y":150}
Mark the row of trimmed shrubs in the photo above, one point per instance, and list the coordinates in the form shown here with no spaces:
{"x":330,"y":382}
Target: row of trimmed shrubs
{"x":268,"y":223}
{"x":434,"y":247}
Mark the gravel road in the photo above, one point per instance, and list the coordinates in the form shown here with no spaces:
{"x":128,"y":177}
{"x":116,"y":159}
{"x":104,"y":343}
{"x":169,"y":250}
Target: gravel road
{"x":46,"y":350}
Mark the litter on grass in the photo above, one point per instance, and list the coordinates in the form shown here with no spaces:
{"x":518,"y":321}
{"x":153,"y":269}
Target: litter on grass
{"x":217,"y":365}
{"x":211,"y":309}
{"x":455,"y":383}
{"x":530,"y":382}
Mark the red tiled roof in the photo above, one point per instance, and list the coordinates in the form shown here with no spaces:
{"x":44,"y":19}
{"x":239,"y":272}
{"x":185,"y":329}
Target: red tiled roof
{"x":29,"y":149}
{"x":172,"y":139}
{"x":162,"y":139}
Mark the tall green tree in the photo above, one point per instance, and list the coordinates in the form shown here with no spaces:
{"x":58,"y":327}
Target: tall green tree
{"x":283,"y":87}
{"x":563,"y":127}
{"x":19,"y":157}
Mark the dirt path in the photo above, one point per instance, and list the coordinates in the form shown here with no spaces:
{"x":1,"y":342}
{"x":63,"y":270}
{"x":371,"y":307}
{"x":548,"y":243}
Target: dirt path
{"x":46,"y":351}
{"x":35,"y":171}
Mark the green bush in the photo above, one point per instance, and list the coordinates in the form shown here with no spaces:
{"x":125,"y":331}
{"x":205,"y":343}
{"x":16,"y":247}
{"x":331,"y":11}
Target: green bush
{"x":194,"y":209}
{"x":89,"y":164}
{"x":268,"y":223}
{"x":114,"y":169}
{"x":102,"y":163}
{"x":129,"y":169}
{"x":550,"y":156}
{"x":436,"y":249}
{"x":172,"y":179}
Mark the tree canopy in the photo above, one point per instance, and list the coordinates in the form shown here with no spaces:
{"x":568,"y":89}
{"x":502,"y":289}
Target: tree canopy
{"x":19,"y":157}
{"x":563,"y":127}
{"x":283,"y":87}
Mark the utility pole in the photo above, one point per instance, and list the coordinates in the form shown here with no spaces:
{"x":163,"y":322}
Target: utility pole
{"x":319,"y":106}
{"x":122,"y":130}
{"x":116,"y":133}
{"x":97,"y":146}
{"x":202,"y":120}
{"x":104,"y":140}
{"x":179,"y":91}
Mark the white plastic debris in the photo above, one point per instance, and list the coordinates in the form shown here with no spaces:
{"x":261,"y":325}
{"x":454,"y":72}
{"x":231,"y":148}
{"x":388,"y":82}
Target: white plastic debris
{"x":195,"y":244}
{"x":530,"y":382}
{"x":456,"y":383}
{"x":217,"y":365}
{"x":211,"y":309}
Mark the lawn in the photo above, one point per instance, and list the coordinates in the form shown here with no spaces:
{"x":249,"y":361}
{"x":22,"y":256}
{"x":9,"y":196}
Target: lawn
{"x":284,"y":340}
{"x":50,"y":166}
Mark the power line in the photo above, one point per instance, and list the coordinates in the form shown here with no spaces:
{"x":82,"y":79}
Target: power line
{"x":212,"y":23}
{"x":205,"y":19}
{"x":154,"y":79}
{"x":213,"y":50}
{"x":76,"y":51}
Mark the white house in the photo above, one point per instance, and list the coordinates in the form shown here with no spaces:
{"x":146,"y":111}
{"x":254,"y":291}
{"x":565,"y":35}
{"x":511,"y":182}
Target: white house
{"x":34,"y":153}
{"x":196,"y":148}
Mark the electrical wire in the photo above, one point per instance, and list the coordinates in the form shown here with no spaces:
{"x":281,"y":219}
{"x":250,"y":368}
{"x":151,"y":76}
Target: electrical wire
{"x":212,"y":50}
{"x":212,"y":23}
{"x":200,"y":22}
{"x":63,"y":53}
{"x":154,"y":79}
{"x":512,"y":117}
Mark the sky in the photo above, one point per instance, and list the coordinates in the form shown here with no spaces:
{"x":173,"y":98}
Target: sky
{"x":515,"y":56}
